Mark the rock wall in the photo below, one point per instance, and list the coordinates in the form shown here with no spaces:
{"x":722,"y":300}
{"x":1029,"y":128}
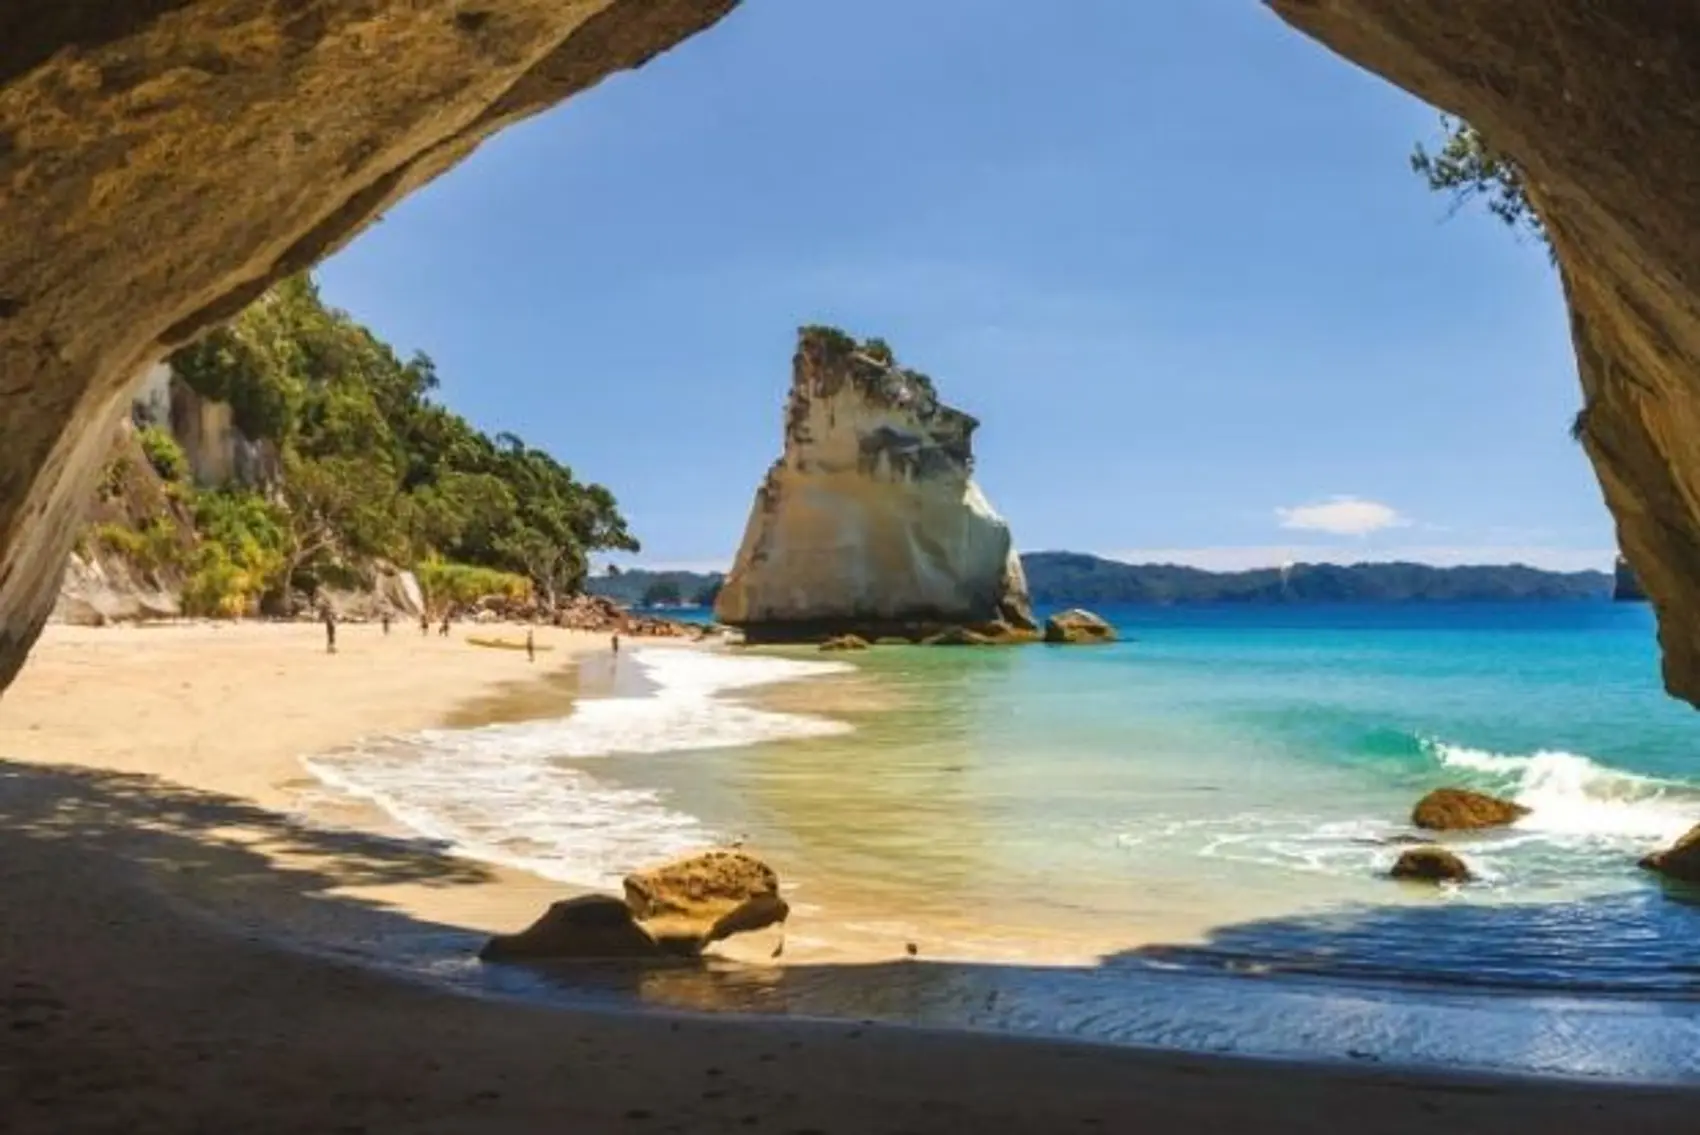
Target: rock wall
{"x":120,"y":122}
{"x":219,"y":453}
{"x":1598,"y":104}
{"x":870,"y":519}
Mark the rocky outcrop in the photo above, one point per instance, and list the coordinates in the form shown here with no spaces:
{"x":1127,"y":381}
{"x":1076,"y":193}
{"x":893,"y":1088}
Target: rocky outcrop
{"x":586,"y":928}
{"x":706,"y":897}
{"x":300,"y":122}
{"x":1681,"y":860}
{"x":219,"y":453}
{"x":675,"y":910}
{"x":1596,"y":103}
{"x":1431,"y":865}
{"x":1459,"y":809}
{"x":1078,"y":626}
{"x":845,"y":642}
{"x":870,"y":521}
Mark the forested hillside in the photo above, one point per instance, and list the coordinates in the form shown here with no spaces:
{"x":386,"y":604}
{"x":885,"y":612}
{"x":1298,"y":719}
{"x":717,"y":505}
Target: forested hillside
{"x":370,"y":466}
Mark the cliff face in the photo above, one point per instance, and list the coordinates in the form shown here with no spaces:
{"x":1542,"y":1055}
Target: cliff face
{"x":120,"y":122}
{"x":870,"y":520}
{"x":1625,"y":587}
{"x":1597,"y":103}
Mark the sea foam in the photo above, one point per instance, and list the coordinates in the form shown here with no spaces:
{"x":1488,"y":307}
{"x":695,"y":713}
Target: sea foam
{"x":505,"y":794}
{"x":1569,"y":794}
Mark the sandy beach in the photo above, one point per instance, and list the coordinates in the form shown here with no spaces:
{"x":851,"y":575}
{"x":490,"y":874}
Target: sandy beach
{"x":152,"y":853}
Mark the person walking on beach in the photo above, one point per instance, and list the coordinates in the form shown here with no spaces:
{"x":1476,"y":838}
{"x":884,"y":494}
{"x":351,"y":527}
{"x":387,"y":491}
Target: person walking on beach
{"x":384,"y":618}
{"x":443,"y":631}
{"x":329,"y":617}
{"x":424,"y":622}
{"x":530,"y":645}
{"x":616,"y":642}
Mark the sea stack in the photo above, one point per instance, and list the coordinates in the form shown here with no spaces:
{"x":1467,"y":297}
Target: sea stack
{"x":870,"y":522}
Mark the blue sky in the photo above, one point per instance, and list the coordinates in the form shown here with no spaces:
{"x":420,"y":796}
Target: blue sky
{"x":1172,"y":256}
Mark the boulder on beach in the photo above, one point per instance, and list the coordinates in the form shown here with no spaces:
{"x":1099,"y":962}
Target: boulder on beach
{"x":707,"y":897}
{"x":1431,"y":865}
{"x":1459,"y":809}
{"x":586,"y":928}
{"x":670,"y":911}
{"x":1681,"y":860}
{"x":1078,"y":626}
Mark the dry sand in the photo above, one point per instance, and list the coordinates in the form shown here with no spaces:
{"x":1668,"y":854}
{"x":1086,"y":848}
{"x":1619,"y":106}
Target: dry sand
{"x":150,"y":775}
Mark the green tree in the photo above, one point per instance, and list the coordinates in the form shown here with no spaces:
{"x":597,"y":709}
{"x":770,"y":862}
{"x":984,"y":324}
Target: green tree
{"x":1467,"y":168}
{"x":373,"y":466}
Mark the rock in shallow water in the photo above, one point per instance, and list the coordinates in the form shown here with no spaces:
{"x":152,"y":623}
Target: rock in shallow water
{"x":1681,"y":860}
{"x":1078,"y":626}
{"x":1459,"y":809}
{"x":1431,"y":865}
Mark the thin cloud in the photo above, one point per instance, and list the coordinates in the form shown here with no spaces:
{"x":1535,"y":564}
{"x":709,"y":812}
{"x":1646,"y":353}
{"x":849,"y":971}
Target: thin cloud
{"x":1342,"y":516}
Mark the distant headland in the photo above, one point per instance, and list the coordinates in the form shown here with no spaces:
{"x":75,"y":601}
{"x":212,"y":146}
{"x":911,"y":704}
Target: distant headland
{"x":1065,"y":578}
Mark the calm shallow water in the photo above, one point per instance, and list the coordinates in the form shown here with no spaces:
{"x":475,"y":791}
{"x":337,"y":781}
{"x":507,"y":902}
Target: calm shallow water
{"x":1190,"y":829}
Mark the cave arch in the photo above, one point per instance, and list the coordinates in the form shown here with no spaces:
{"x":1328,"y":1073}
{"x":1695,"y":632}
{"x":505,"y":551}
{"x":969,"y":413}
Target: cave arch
{"x":163,"y":161}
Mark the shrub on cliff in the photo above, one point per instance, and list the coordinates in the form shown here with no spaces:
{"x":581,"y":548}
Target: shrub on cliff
{"x":164,"y":454}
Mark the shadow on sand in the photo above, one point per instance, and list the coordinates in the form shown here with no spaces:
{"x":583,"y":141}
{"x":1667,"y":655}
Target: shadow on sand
{"x":1495,"y":987}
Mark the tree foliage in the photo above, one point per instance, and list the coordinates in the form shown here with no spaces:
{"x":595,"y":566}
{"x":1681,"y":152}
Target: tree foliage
{"x":373,"y":466}
{"x":1467,"y":168}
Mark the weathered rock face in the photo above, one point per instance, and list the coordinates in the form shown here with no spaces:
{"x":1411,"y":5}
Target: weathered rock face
{"x":706,"y":897}
{"x":1459,"y":809}
{"x":870,"y":519}
{"x":1597,"y":104}
{"x":163,"y":161}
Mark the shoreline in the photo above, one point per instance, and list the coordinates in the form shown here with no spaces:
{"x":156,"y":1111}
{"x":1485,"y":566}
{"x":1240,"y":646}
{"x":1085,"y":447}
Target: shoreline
{"x":124,"y":1012}
{"x":410,"y":906}
{"x":164,"y":1000}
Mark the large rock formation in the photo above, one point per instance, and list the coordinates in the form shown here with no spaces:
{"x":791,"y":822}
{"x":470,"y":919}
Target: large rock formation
{"x":163,"y":161}
{"x":870,"y":522}
{"x":1597,"y":104}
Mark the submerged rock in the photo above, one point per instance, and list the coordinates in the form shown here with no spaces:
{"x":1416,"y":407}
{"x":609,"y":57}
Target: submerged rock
{"x":870,"y":522}
{"x":586,"y":928}
{"x":1459,"y":809}
{"x":1078,"y":626}
{"x":1681,"y":860}
{"x":692,"y":902}
{"x":1431,"y":865}
{"x":845,"y":642}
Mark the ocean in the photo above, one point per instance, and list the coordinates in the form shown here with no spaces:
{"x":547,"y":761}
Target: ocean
{"x":1180,"y":839}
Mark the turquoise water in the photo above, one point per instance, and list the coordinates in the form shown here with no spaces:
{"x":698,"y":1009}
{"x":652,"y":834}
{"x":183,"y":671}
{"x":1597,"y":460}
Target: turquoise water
{"x":1180,"y":839}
